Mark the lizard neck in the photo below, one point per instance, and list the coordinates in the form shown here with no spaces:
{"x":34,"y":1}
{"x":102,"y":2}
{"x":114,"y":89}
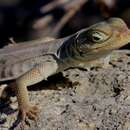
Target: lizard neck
{"x":68,"y":50}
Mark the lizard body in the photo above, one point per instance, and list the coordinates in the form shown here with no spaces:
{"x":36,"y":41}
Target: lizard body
{"x":27,"y":64}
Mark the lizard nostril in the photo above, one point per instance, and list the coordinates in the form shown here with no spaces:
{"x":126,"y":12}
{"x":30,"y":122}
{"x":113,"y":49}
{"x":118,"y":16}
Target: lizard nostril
{"x":125,"y":31}
{"x":128,"y":32}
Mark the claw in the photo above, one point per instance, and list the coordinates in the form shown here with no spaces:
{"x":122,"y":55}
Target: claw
{"x":30,"y":112}
{"x":21,"y":125}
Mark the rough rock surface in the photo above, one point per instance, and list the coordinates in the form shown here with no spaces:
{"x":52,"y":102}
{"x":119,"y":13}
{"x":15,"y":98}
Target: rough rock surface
{"x":97,"y":99}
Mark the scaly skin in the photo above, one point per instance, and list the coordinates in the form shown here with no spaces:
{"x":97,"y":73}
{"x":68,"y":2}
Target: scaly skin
{"x":27,"y":64}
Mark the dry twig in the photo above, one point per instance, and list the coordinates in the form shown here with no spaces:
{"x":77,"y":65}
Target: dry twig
{"x":71,"y":10}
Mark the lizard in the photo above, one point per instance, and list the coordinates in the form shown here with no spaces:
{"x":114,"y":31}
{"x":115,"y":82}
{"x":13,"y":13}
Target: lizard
{"x":27,"y":64}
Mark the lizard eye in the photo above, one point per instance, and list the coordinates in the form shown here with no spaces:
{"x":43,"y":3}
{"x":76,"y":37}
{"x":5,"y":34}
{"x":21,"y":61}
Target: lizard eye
{"x":91,"y":36}
{"x":97,"y":37}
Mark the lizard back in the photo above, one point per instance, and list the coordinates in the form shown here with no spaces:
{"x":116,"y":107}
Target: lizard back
{"x":19,"y":59}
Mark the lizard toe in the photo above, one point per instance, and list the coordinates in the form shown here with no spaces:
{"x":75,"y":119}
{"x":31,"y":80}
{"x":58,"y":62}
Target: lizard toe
{"x":32,"y":116}
{"x":30,"y":112}
{"x":21,"y":125}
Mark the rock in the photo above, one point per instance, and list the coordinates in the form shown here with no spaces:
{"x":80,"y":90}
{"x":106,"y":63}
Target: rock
{"x":99,"y":100}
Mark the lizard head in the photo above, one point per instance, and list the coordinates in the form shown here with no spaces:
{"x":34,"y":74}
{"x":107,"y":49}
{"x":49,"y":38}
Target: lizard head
{"x":102,"y":37}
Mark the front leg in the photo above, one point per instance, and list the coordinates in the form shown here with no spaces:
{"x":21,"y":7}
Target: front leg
{"x":37,"y":74}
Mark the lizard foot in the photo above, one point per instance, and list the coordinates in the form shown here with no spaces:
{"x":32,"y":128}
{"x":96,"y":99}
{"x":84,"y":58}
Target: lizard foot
{"x":30,"y":112}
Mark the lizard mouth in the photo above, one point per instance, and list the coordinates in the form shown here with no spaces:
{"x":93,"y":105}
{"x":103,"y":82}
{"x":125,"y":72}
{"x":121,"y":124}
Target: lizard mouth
{"x":112,"y":46}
